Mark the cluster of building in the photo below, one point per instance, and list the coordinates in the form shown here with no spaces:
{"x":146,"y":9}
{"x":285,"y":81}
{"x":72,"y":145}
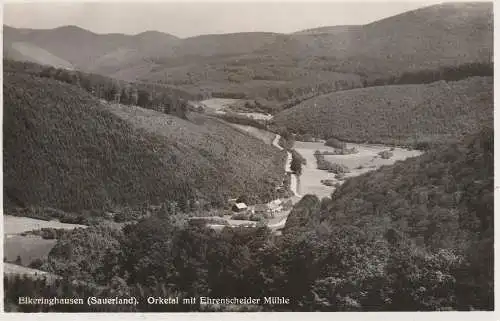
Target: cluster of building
{"x":268,"y":210}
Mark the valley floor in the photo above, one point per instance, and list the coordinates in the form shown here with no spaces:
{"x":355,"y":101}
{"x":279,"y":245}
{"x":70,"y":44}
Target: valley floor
{"x":367,"y":159}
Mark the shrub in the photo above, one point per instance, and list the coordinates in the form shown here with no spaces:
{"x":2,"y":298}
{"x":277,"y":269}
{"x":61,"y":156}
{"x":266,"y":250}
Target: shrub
{"x":297,"y":162}
{"x":305,"y":138}
{"x":323,"y":164}
{"x":74,"y":219}
{"x":120,"y":217}
{"x":338,"y":168}
{"x":327,"y":182}
{"x":242,"y":199}
{"x":48,"y":233}
{"x":256,"y":218}
{"x":386,"y":154}
{"x":288,"y":205}
{"x":36,"y":264}
{"x":299,"y":157}
{"x":340,"y":176}
{"x":335,"y":143}
{"x":345,"y":151}
{"x":240,"y":216}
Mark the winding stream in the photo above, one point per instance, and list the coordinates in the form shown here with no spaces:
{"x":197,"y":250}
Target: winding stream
{"x":312,"y":179}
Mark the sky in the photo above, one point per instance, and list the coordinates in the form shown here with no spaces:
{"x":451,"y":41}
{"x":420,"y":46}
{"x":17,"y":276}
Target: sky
{"x":186,"y":19}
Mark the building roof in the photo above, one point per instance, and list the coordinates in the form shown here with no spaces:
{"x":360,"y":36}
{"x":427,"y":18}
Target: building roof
{"x":240,"y":205}
{"x":276,"y":202}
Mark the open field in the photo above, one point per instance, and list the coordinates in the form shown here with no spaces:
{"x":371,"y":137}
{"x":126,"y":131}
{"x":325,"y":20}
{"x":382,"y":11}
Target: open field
{"x":367,"y":157}
{"x":16,"y":225}
{"x":223,"y":105}
{"x":218,"y":104}
{"x":29,"y":248}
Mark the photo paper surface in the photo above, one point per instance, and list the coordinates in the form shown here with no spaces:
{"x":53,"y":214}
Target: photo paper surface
{"x":248,"y":157}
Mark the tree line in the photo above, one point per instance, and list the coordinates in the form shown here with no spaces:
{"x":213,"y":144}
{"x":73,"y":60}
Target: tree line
{"x":425,"y":76}
{"x":151,"y":96}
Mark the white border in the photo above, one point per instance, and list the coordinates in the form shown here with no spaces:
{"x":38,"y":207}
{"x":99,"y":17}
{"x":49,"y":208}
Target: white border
{"x":384,"y":316}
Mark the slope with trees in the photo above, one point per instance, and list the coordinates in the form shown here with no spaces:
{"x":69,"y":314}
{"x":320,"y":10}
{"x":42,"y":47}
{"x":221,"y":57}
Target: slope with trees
{"x":64,"y":149}
{"x":162,"y":98}
{"x":401,"y":114}
{"x":416,"y":236}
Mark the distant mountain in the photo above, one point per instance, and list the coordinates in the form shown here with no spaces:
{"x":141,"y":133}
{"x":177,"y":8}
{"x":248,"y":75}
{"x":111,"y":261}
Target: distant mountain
{"x":225,"y":44}
{"x":83,"y":48}
{"x":446,"y":34}
{"x":257,"y":64}
{"x":304,"y":62}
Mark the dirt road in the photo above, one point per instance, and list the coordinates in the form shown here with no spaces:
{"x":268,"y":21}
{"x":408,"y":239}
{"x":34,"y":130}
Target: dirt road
{"x":293,"y":182}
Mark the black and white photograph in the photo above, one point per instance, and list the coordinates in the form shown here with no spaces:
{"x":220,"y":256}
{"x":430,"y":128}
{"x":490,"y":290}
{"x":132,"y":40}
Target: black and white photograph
{"x":264,"y":156}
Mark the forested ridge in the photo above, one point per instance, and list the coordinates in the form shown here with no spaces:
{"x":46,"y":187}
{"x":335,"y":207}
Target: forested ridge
{"x":410,"y":114}
{"x":414,"y":236}
{"x":67,"y":150}
{"x":432,"y":43}
{"x":162,"y":98}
